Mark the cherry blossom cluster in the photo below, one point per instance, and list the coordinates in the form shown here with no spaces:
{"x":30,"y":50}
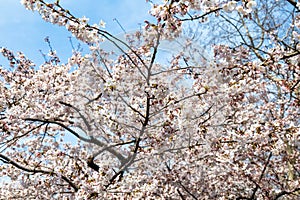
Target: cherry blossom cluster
{"x":144,"y":124}
{"x":244,"y":8}
{"x":55,"y":14}
{"x":170,"y":15}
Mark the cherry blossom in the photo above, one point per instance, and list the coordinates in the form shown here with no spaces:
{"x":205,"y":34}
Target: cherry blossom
{"x":144,"y":124}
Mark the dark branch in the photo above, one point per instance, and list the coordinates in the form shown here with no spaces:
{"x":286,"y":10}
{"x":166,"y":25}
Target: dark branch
{"x":78,"y":111}
{"x":91,"y":164}
{"x":286,"y":193}
{"x":261,"y":176}
{"x":293,"y":3}
{"x":179,"y":182}
{"x":90,"y":139}
{"x":35,"y":171}
{"x":200,"y":16}
{"x":180,"y":194}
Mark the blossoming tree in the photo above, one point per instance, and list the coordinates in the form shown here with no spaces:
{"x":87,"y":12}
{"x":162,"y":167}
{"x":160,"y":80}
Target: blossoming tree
{"x":189,"y":128}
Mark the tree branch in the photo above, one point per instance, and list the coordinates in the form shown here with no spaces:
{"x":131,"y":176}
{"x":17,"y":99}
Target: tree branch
{"x":179,"y":182}
{"x":51,"y":173}
{"x":286,"y":193}
{"x":261,"y":176}
{"x":201,"y":16}
{"x":89,"y":140}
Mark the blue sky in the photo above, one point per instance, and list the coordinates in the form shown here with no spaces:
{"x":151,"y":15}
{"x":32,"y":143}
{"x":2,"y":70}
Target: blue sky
{"x":23,"y":30}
